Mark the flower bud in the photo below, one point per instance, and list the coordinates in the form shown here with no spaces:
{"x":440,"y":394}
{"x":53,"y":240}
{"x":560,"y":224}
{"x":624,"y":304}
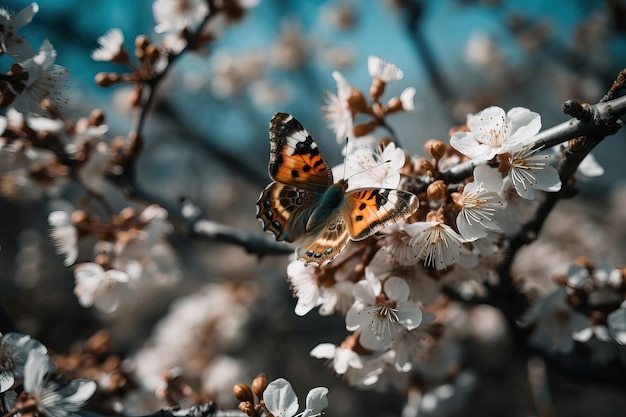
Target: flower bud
{"x":104,"y":79}
{"x":357,"y":102}
{"x":435,"y":148}
{"x":96,"y":117}
{"x":258,"y":385}
{"x":243,"y":393}
{"x":394,"y":104}
{"x":437,"y":190}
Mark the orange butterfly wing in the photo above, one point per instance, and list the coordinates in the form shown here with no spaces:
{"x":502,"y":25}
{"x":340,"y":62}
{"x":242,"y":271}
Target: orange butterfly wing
{"x":295,"y":158}
{"x":368,"y":210}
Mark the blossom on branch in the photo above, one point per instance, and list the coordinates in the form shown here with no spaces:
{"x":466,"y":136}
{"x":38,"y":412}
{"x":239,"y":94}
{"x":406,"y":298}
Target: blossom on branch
{"x":281,"y":400}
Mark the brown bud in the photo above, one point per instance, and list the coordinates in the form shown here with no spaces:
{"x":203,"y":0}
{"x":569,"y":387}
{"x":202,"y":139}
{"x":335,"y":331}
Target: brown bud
{"x":96,"y":118}
{"x":152,"y":52}
{"x":79,"y":216}
{"x":434,"y":216}
{"x":365,"y":128}
{"x":425,"y":166}
{"x":104,"y":79}
{"x":435,"y":148}
{"x":246,"y":407}
{"x":141,"y":42}
{"x":357,"y":102}
{"x":394,"y":104}
{"x":243,"y":393}
{"x":437,"y":190}
{"x":258,"y":385}
{"x":126,"y":216}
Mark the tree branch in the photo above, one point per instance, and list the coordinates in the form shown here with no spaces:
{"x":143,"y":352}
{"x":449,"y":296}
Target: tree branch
{"x":599,"y":120}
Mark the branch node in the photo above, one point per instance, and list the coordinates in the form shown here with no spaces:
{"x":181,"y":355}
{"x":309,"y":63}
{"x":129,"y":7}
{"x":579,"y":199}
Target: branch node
{"x":580,"y":111}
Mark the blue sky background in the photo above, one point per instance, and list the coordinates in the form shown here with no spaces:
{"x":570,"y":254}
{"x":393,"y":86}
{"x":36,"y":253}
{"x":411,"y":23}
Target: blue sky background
{"x":73,"y":27}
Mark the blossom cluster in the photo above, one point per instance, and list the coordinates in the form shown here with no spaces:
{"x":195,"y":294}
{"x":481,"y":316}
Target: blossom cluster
{"x":28,"y":385}
{"x":390,"y":288}
{"x":587,"y":308}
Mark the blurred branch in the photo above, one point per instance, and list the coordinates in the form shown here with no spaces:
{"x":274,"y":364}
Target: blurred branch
{"x":414,"y":11}
{"x":201,"y":227}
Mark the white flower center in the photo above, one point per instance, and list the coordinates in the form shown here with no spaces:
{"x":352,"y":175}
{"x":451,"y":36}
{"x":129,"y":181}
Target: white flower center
{"x":493,"y":134}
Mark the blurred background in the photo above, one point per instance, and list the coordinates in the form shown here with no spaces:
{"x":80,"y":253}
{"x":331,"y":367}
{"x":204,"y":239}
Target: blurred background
{"x":206,"y":140}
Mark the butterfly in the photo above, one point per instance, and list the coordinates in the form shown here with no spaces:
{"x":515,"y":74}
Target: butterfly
{"x":303,"y":204}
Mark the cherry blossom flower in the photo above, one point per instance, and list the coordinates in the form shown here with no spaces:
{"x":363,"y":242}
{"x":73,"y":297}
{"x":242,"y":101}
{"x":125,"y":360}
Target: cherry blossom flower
{"x":406,"y":98}
{"x":54,"y":399}
{"x":14,"y":350}
{"x":380,"y":169}
{"x":45,"y":81}
{"x":336,"y":110}
{"x":438,"y":245}
{"x":281,"y":400}
{"x":492,"y":132}
{"x":341,"y":358}
{"x":383,"y":70}
{"x":310,"y":293}
{"x":64,"y":236}
{"x":111,"y":46}
{"x":555,"y":322}
{"x":478,"y":207}
{"x":616,"y":323}
{"x":518,"y":210}
{"x":99,"y":288}
{"x":177,"y":15}
{"x":381,"y":310}
{"x":530,"y":172}
{"x":11,"y":43}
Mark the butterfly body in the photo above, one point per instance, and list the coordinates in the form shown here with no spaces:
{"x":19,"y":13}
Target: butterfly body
{"x":304,"y":204}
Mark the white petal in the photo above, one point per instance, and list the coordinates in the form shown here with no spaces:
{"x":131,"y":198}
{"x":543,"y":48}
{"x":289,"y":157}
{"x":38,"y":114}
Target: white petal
{"x":316,"y":401}
{"x":523,"y":124}
{"x":280,"y":399}
{"x":397,"y":289}
{"x":410,"y":314}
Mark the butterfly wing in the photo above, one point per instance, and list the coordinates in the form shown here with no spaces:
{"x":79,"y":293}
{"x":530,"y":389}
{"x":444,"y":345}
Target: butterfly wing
{"x":295,"y":158}
{"x":284,"y":210}
{"x":368,"y":210}
{"x":320,"y":248}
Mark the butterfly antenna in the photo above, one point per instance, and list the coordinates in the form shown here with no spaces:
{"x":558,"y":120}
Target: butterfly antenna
{"x":345,"y":158}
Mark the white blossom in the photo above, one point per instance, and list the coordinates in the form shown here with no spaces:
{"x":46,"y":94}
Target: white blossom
{"x":380,"y":318}
{"x":530,"y":172}
{"x":111,"y":45}
{"x":45,"y":81}
{"x":438,"y":245}
{"x":341,"y":358}
{"x":375,"y":169}
{"x":54,"y":399}
{"x":406,"y":98}
{"x":383,"y":70}
{"x":10,"y":24}
{"x":555,"y":322}
{"x":99,"y":288}
{"x":281,"y":400}
{"x":478,"y":207}
{"x":14,"y":350}
{"x":177,"y":15}
{"x":64,"y":236}
{"x":336,"y":110}
{"x":492,"y":132}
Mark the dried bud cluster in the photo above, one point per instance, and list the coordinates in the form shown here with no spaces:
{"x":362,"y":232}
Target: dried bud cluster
{"x":251,"y":398}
